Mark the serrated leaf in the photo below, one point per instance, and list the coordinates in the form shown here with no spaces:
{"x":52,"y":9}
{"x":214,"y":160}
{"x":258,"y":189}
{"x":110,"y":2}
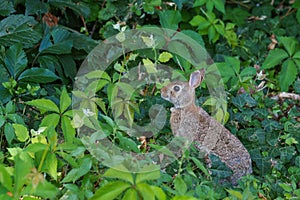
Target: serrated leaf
{"x":38,"y":75}
{"x":146,"y":191}
{"x":18,"y":29}
{"x":289,"y":44}
{"x":275,"y":57}
{"x":287,"y":75}
{"x":130,"y":194}
{"x":151,"y":172}
{"x":180,"y":186}
{"x":6,"y":7}
{"x":15,"y":60}
{"x":67,"y":128}
{"x":165,"y":57}
{"x":170,"y":19}
{"x":44,"y":105}
{"x":120,"y":173}
{"x":21,"y":132}
{"x":76,"y":173}
{"x":80,"y":8}
{"x":111,"y":190}
{"x":65,"y":100}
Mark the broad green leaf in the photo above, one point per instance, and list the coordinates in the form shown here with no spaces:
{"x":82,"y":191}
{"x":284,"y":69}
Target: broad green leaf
{"x":201,"y":166}
{"x":111,"y":190}
{"x":218,"y":168}
{"x":287,"y":75}
{"x":128,"y":144}
{"x":6,"y":7}
{"x":180,"y":186}
{"x":289,"y":44}
{"x":120,"y":173}
{"x":148,"y":172}
{"x":130,"y":194}
{"x":275,"y":57}
{"x":23,"y":166}
{"x":38,"y":75}
{"x":50,"y":120}
{"x":21,"y":132}
{"x":170,"y":19}
{"x":297,"y":55}
{"x":15,"y":60}
{"x":220,"y":5}
{"x":18,"y":29}
{"x":146,"y":191}
{"x":233,"y":63}
{"x":36,"y":147}
{"x":44,"y":105}
{"x":51,"y":165}
{"x":65,"y":100}
{"x":286,"y":187}
{"x":247,"y":73}
{"x":199,"y":21}
{"x":164,"y":57}
{"x":44,"y":190}
{"x":80,"y":8}
{"x":148,"y":5}
{"x":67,"y":128}
{"x":159,"y":193}
{"x":236,"y":194}
{"x":5,"y":178}
{"x":199,"y":3}
{"x":9,"y":132}
{"x":2,"y":120}
{"x":76,"y":173}
{"x":33,"y":8}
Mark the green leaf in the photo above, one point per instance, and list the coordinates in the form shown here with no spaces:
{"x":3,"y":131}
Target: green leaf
{"x":44,"y":105}
{"x":130,"y":194}
{"x":274,"y":58}
{"x":170,"y":19}
{"x":18,"y":29}
{"x":247,"y":73}
{"x":149,"y":5}
{"x":159,"y":193}
{"x":199,"y":3}
{"x":220,"y":5}
{"x":120,"y":173}
{"x":235,"y":194}
{"x":289,"y":44}
{"x":180,"y":186}
{"x":149,"y":65}
{"x":9,"y":132}
{"x":111,"y":190}
{"x":146,"y":191}
{"x":6,"y":8}
{"x":33,"y":8}
{"x":44,"y":190}
{"x":80,"y":8}
{"x":148,"y":172}
{"x":36,"y":147}
{"x":164,"y":57}
{"x":50,"y":120}
{"x":21,"y":132}
{"x":5,"y":178}
{"x":67,"y":128}
{"x":65,"y":100}
{"x":38,"y":75}
{"x":15,"y":60}
{"x":51,"y":165}
{"x":218,"y":168}
{"x":75,"y":173}
{"x":287,"y":75}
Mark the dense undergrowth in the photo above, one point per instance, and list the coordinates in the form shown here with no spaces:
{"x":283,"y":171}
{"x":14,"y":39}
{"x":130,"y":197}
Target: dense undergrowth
{"x":253,"y":44}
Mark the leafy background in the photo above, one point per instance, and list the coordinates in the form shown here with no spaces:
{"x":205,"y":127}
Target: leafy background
{"x":255,"y":45}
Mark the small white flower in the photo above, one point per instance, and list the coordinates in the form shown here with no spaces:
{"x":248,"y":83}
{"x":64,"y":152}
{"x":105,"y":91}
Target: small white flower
{"x":38,"y":132}
{"x":116,"y":26}
{"x":87,"y":112}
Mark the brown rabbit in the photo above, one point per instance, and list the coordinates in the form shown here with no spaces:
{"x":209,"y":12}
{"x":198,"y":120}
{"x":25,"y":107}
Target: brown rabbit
{"x":211,"y":137}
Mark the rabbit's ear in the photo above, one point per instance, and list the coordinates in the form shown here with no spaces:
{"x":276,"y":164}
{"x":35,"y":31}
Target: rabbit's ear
{"x":196,"y":78}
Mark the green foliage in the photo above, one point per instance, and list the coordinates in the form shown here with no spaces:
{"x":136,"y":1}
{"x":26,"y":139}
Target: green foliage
{"x":255,"y":45}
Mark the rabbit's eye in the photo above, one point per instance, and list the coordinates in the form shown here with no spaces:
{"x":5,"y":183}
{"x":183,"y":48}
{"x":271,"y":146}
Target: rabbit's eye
{"x":176,"y":88}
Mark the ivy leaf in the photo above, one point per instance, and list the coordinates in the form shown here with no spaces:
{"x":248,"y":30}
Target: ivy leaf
{"x":274,"y":58}
{"x":18,"y":29}
{"x":287,"y":74}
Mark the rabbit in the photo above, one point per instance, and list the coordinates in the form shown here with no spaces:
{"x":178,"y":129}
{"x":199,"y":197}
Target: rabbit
{"x":211,"y":137}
